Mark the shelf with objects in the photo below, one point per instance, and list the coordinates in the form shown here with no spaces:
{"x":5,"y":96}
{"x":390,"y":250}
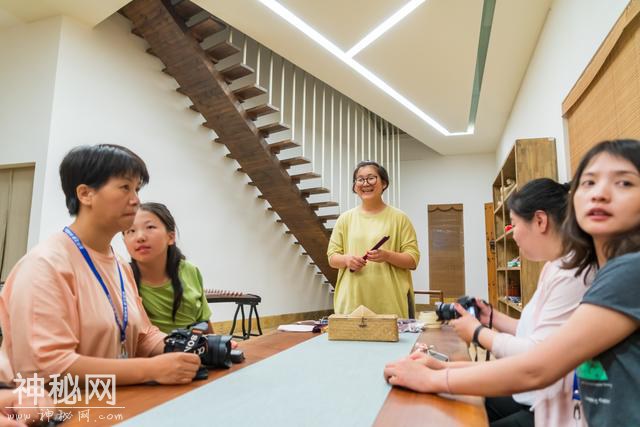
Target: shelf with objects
{"x":516,"y":276}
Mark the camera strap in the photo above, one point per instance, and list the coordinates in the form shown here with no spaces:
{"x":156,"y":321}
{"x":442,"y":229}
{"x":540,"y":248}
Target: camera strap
{"x":125,"y":314}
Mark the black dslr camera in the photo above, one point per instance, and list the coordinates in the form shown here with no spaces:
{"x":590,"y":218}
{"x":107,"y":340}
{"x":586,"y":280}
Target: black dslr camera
{"x":448,"y":311}
{"x":214,"y":350}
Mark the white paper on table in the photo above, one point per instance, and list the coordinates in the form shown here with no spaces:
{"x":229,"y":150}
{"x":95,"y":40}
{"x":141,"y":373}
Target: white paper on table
{"x":296,"y":328}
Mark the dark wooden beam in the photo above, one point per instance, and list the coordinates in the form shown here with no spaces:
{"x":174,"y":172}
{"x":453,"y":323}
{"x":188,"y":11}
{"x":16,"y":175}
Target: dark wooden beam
{"x":172,"y":42}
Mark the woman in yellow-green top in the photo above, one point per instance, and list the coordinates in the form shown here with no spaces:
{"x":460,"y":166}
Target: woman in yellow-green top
{"x":382,"y":281}
{"x":170,"y":286}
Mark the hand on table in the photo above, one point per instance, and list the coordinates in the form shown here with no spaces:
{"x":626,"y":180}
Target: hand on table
{"x":408,"y":373}
{"x":427,"y":360}
{"x":30,"y":408}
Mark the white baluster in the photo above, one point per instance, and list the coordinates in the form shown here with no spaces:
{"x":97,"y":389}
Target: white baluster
{"x":270,"y":89}
{"x":313,"y":128}
{"x":304,"y":112}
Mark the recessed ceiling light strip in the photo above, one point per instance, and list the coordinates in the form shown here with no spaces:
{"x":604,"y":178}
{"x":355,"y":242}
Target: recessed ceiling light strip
{"x":384,"y":26}
{"x":310,"y":32}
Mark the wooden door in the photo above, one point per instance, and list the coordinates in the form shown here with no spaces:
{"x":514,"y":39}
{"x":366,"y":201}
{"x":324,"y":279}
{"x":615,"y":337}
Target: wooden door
{"x":446,"y":249}
{"x":490,"y":241}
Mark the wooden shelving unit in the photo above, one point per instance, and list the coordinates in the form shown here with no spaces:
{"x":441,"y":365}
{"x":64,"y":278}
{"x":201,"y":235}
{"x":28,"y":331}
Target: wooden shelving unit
{"x":528,"y":159}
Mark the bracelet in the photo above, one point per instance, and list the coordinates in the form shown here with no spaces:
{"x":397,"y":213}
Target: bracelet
{"x":5,"y":386}
{"x":476,"y":334}
{"x":446,"y":379}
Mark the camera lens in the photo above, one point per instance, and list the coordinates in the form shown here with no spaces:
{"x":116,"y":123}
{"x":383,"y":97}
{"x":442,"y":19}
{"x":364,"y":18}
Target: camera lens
{"x":446,"y":311}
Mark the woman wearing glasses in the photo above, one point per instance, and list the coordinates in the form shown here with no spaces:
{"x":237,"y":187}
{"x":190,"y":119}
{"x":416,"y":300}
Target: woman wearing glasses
{"x":378,"y":279}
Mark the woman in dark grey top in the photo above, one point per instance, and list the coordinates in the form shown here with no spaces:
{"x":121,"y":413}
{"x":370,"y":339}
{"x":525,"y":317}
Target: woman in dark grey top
{"x":601,"y":339}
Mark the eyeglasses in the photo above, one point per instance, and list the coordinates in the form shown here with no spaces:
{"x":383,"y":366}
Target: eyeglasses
{"x":371,"y":180}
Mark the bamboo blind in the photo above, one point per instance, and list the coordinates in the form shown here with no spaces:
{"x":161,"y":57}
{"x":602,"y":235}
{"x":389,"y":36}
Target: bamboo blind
{"x":446,"y":249}
{"x":605,"y":102}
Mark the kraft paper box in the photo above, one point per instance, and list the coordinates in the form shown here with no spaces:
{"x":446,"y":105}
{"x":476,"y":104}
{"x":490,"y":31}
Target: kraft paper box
{"x":363,"y":325}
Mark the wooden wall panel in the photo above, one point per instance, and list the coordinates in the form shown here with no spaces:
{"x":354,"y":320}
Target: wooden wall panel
{"x":605,"y":102}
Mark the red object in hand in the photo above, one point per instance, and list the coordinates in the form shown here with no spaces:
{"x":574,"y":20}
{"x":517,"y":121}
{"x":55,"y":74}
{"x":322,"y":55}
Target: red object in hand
{"x":508,"y":228}
{"x":377,"y":246}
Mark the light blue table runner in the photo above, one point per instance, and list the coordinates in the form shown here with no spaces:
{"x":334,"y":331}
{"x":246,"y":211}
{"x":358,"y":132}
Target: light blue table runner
{"x":315,"y":383}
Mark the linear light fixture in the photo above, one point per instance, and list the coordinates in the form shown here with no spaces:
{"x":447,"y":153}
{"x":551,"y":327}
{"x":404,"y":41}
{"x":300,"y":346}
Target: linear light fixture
{"x":384,"y":26}
{"x":310,"y":32}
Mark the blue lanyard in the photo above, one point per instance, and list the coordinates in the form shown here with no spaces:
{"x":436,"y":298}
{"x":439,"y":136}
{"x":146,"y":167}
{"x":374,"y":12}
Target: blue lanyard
{"x":125,"y":314}
{"x":575,"y":396}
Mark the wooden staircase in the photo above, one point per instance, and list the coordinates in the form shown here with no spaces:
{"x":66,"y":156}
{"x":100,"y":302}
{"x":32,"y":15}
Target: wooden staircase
{"x":197,"y":53}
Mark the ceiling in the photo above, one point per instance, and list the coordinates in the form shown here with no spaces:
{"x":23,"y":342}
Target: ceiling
{"x":428,"y":57}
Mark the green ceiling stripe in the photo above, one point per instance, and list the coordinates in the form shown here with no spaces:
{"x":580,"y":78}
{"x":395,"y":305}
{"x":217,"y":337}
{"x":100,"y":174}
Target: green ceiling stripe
{"x":483,"y":46}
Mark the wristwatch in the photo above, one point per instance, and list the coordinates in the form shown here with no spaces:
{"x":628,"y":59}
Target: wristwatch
{"x":476,"y":334}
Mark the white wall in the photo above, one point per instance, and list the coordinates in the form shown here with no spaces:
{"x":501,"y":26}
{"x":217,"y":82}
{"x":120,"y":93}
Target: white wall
{"x":108,"y":89}
{"x":437,"y":179}
{"x":572,"y":33}
{"x":29,"y":54}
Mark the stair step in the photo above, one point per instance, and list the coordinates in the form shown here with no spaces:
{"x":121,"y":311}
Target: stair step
{"x":249,"y":91}
{"x":219,"y":50}
{"x":276,"y":147}
{"x":181,"y":91}
{"x":293,"y":161}
{"x":136,"y":32}
{"x":194,"y":108}
{"x":269,"y":128}
{"x":306,"y":175}
{"x":236,"y":71}
{"x":261,"y":110}
{"x":203,"y":25}
{"x":185,"y":9}
{"x":151,"y":52}
{"x":325,"y":218}
{"x":306,"y":192}
{"x":318,"y":205}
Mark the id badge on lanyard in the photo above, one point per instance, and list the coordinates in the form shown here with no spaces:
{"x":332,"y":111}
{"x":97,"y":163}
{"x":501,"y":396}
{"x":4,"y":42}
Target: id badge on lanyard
{"x":125,"y":313}
{"x":123,"y":350}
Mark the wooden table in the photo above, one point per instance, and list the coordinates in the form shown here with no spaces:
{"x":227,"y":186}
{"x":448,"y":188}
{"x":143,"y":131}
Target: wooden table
{"x":401,"y":408}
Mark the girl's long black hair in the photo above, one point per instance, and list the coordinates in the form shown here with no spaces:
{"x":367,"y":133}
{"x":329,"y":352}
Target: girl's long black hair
{"x":174,"y":254}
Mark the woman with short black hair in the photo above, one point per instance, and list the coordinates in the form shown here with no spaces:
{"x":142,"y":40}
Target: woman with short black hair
{"x":70,"y":305}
